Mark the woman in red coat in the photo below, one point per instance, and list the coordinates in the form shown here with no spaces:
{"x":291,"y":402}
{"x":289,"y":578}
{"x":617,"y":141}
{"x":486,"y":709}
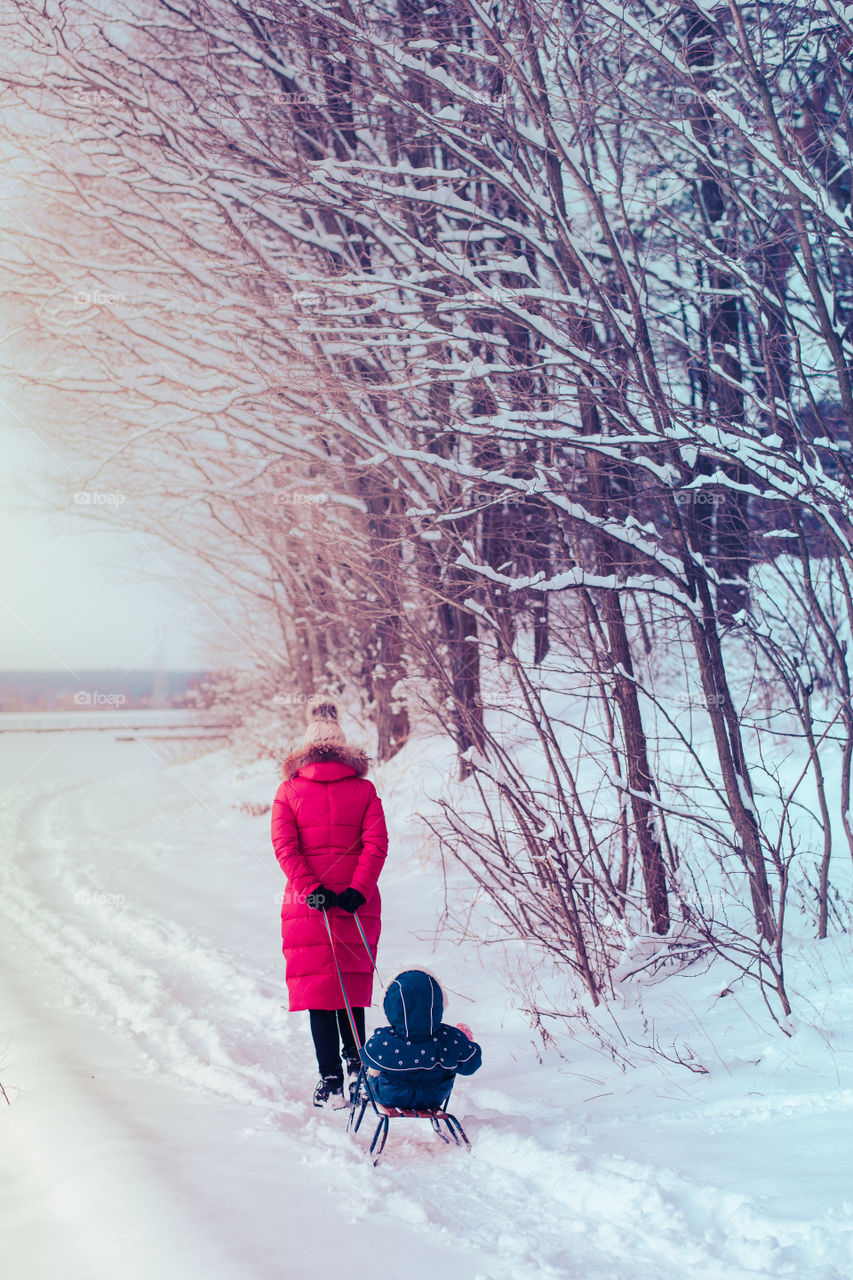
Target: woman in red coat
{"x":328,"y":832}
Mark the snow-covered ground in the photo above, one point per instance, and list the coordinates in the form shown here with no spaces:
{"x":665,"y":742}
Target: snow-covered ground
{"x":161,"y":1122}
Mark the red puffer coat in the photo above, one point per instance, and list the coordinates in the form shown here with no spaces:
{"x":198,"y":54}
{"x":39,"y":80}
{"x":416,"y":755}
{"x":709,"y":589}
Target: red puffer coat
{"x":328,"y":828}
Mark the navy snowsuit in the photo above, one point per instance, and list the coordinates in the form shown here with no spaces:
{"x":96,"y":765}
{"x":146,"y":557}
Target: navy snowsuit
{"x":417,"y":1055}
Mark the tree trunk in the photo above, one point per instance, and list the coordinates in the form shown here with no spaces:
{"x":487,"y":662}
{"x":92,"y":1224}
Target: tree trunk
{"x":726,"y":729}
{"x":724,"y":376}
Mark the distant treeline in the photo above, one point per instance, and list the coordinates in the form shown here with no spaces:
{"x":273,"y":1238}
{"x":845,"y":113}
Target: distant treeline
{"x":107,"y":688}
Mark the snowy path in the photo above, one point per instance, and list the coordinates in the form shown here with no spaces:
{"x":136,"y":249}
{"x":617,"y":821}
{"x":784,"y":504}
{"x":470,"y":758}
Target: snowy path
{"x":162,"y":1126}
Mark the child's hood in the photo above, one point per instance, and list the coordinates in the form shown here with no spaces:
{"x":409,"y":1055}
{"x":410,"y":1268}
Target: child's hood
{"x":414,"y":1004}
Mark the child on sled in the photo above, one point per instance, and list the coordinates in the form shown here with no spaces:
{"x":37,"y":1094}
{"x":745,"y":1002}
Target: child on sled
{"x":413,"y":1062}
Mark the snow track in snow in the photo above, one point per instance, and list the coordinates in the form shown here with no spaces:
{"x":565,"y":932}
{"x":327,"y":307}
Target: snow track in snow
{"x":130,"y":902}
{"x":144,"y":976}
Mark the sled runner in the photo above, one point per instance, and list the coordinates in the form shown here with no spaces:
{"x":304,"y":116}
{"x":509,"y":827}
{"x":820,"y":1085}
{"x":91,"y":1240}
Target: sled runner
{"x":436,"y":1115}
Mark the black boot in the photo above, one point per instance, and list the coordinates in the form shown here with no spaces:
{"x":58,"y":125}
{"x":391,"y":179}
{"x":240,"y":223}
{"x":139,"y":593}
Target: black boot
{"x":329,"y":1092}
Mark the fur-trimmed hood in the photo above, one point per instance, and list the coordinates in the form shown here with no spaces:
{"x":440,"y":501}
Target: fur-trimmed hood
{"x":318,"y":752}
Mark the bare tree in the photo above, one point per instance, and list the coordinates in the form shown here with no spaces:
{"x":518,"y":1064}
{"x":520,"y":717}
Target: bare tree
{"x":552,"y":301}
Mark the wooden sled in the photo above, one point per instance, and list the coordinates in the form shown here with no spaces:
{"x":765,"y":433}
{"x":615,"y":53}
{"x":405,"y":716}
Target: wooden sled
{"x":438,"y":1116}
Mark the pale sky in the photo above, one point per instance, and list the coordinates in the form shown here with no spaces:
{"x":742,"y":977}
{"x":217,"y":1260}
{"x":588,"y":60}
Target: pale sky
{"x":74,"y":596}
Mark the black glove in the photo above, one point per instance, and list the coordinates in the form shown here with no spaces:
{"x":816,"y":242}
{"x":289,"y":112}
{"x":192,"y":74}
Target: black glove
{"x":321,"y":898}
{"x":350,"y":900}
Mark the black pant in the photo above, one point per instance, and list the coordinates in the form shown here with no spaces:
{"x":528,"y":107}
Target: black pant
{"x":330,"y":1028}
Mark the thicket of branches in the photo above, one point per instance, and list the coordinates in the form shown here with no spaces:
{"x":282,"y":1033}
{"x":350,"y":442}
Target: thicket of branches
{"x":508,"y":347}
